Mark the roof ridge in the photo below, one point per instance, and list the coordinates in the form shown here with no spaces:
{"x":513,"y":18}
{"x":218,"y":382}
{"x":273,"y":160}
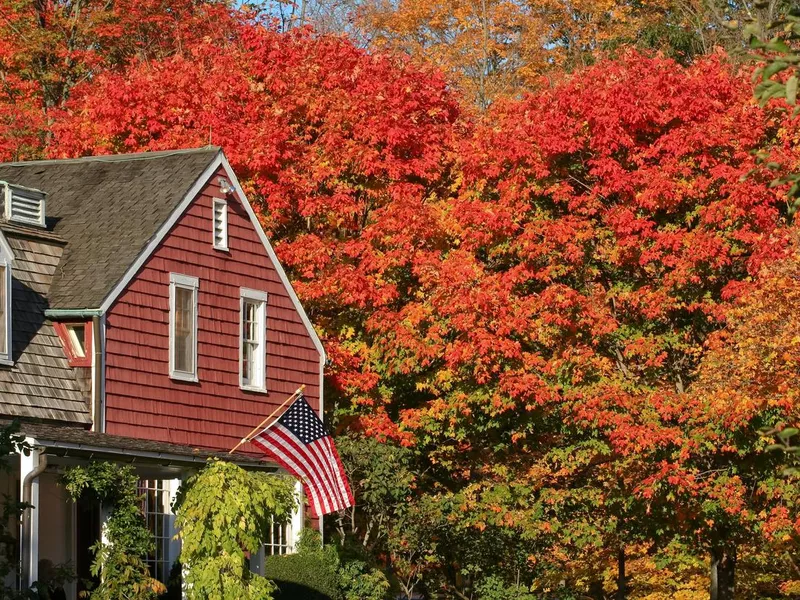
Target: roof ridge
{"x":111,"y":158}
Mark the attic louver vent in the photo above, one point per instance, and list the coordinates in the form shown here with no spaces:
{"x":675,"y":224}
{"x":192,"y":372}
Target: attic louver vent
{"x":24,"y":205}
{"x":220,"y":224}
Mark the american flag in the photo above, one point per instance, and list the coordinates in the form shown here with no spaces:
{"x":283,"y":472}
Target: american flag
{"x":299,"y":442}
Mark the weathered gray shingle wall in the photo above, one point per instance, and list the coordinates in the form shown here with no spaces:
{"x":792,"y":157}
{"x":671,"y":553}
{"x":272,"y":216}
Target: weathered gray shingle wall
{"x":41,"y":384}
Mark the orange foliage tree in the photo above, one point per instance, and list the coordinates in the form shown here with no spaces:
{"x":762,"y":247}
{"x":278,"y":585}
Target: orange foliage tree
{"x":524,"y":299}
{"x":495,"y":48}
{"x":47,"y":48}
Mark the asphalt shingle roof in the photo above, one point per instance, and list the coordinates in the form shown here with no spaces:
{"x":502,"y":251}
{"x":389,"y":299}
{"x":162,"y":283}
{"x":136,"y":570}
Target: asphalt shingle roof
{"x":92,"y":442}
{"x":107,"y":209}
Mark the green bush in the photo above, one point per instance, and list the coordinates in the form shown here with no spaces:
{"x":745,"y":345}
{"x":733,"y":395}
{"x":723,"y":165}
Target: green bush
{"x":318,"y":572}
{"x":494,"y":588}
{"x":310,"y":576}
{"x":360,"y":582}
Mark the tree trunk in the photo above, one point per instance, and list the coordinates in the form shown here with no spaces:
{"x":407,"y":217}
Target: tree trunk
{"x":596,"y":590}
{"x":723,"y":573}
{"x":622,"y":584}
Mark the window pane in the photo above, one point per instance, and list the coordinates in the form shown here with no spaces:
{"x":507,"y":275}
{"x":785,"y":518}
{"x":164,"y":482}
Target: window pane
{"x":156,"y":511}
{"x":77,"y":335}
{"x":3,"y":292}
{"x":184,"y":330}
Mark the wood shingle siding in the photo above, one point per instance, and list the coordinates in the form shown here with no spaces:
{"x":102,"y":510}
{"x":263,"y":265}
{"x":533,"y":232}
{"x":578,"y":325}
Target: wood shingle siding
{"x":40,"y":384}
{"x":141,"y":399}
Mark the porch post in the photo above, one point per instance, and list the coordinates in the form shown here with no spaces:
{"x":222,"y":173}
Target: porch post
{"x":29,"y":470}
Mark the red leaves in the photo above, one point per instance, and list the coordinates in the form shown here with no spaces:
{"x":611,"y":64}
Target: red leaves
{"x":532,"y":292}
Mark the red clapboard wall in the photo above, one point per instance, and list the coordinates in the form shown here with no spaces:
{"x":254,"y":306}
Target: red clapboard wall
{"x":142,"y":401}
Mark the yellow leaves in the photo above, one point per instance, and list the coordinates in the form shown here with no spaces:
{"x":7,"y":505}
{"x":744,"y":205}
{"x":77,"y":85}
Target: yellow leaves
{"x":791,"y":588}
{"x":494,"y":48}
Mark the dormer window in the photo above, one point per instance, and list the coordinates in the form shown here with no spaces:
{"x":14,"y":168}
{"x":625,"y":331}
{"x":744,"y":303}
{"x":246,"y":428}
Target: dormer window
{"x":220,"y":224}
{"x":76,"y":338}
{"x":6,"y":258}
{"x":24,"y":205}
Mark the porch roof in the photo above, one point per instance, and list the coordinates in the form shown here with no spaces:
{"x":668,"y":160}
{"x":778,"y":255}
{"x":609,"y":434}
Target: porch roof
{"x":82,"y":443}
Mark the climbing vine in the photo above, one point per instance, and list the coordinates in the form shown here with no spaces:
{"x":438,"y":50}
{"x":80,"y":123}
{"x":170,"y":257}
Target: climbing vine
{"x":222,"y":515}
{"x":128,"y":541}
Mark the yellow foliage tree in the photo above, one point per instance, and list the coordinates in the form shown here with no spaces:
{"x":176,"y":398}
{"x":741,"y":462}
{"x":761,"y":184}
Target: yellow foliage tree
{"x":494,"y":48}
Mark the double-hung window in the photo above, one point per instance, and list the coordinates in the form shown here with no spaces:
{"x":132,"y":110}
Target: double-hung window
{"x":252,"y":354}
{"x":183,"y":327}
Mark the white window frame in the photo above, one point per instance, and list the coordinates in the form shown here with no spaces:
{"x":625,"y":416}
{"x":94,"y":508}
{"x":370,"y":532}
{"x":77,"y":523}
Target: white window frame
{"x":189,"y":283}
{"x":214,"y":204}
{"x":247,"y":295}
{"x":159,"y":561}
{"x":6,"y":258}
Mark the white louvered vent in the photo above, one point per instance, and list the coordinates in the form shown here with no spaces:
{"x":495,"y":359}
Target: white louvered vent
{"x":24,"y":205}
{"x":220,"y":224}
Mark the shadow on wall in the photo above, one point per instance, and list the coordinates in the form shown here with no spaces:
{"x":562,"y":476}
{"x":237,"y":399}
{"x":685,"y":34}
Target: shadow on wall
{"x":27,"y":316}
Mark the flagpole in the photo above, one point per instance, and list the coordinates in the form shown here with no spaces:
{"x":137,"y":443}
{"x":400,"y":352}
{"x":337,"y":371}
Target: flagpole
{"x":246,"y":438}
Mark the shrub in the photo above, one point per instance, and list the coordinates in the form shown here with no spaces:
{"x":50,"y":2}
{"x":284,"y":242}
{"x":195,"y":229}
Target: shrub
{"x":360,"y":582}
{"x":305,"y":576}
{"x":318,"y":572}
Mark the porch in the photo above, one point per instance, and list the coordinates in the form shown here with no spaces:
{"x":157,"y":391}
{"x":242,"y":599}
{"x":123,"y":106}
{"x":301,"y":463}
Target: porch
{"x":59,"y":532}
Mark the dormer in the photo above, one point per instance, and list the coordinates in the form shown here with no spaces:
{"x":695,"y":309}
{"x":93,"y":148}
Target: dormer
{"x":23,"y":205}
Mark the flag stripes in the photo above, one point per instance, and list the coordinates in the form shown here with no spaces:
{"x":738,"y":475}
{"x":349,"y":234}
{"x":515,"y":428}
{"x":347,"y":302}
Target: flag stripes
{"x":299,"y":443}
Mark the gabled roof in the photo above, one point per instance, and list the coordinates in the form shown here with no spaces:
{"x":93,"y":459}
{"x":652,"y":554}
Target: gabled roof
{"x":107,"y":209}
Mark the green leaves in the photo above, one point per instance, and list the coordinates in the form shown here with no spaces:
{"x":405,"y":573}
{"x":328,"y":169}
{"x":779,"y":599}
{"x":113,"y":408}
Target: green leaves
{"x":223,"y":515}
{"x":791,"y":90}
{"x":119,"y":564}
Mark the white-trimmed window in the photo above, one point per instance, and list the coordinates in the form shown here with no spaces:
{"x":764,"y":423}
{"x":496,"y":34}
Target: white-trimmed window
{"x":155,"y":505}
{"x":183,"y":327}
{"x":278,"y":539}
{"x":6,"y":257}
{"x":253,"y":342}
{"x":220,"y":226}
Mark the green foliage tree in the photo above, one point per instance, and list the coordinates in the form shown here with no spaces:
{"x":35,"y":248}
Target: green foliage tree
{"x":223,"y":513}
{"x":776,"y":45}
{"x":119,"y":563}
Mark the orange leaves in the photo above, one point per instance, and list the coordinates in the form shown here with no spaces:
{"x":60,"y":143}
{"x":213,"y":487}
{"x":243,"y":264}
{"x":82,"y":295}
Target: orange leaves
{"x":493,"y":49}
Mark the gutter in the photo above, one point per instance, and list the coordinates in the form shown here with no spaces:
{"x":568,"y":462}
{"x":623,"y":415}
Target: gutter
{"x":27,"y":484}
{"x":121,"y":455}
{"x":72,"y":313}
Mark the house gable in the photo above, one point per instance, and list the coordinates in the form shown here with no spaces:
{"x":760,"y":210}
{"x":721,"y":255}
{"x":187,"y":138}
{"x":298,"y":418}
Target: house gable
{"x":141,"y":399}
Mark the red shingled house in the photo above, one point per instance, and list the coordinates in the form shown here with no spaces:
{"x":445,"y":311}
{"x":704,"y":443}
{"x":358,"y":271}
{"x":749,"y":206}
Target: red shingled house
{"x":144,"y":319}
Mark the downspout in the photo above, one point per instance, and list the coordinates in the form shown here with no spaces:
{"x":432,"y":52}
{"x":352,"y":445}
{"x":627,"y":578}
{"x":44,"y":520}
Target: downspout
{"x":25,"y":542}
{"x":97,"y":374}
